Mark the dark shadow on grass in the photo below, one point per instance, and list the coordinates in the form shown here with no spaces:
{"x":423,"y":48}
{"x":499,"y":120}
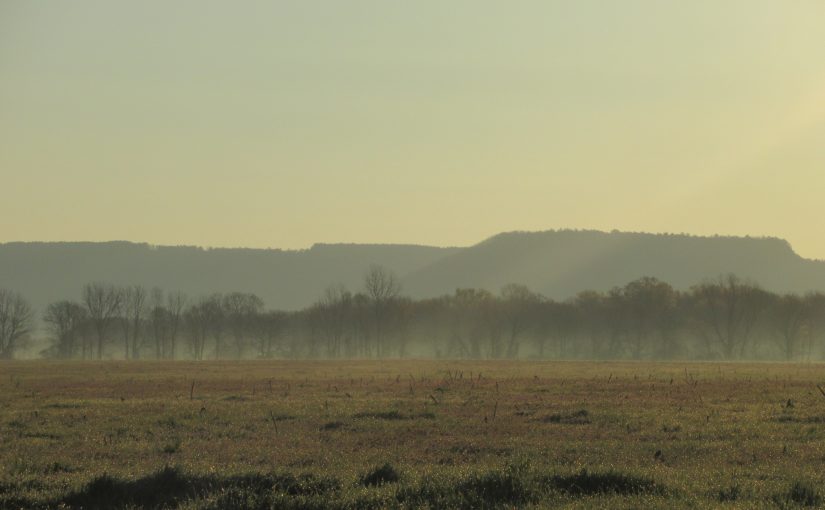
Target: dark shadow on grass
{"x":585,"y":483}
{"x":170,"y":487}
{"x":392,"y":415}
{"x":580,"y":417}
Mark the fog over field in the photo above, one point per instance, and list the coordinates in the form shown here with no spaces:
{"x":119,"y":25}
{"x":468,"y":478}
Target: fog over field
{"x":549,"y":295}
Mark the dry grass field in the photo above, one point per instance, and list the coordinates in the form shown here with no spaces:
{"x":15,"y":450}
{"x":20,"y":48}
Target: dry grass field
{"x":411,"y":434}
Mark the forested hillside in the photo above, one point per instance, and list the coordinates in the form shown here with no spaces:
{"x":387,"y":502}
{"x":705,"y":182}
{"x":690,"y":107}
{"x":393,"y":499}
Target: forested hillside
{"x":556,"y":264}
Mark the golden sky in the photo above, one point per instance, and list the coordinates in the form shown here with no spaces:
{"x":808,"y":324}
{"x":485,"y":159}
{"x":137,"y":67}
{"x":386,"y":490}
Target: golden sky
{"x":281,"y":124}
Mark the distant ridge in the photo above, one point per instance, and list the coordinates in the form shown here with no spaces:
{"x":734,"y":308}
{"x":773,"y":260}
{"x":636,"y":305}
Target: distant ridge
{"x":557,"y":264}
{"x":561,"y":263}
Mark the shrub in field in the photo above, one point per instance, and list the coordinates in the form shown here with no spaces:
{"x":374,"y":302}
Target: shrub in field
{"x":585,"y":483}
{"x":159,"y":489}
{"x":380,"y":475}
{"x":510,"y":485}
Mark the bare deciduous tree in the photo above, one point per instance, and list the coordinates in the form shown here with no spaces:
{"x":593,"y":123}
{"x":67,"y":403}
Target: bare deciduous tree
{"x":133,"y":309}
{"x":332,"y":314}
{"x":103,"y":303}
{"x":383,"y":288}
{"x":649,"y":305}
{"x":727,"y":311}
{"x":517,"y":306}
{"x":15,"y":321}
{"x":269,"y":328}
{"x":216,"y":315}
{"x":64,"y":320}
{"x":175,"y":305}
{"x":240,"y":310}
{"x":164,"y":318}
{"x":158,"y":322}
{"x":199,"y":319}
{"x":788,"y":316}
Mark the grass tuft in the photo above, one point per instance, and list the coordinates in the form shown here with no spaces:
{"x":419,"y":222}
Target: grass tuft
{"x":510,"y":486}
{"x":380,"y":415}
{"x":732,"y":493}
{"x":172,"y":447}
{"x":800,"y":493}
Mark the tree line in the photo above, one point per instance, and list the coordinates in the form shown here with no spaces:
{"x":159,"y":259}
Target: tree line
{"x":726,"y":318}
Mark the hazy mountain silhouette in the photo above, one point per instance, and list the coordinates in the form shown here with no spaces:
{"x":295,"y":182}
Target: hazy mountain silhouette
{"x":285,"y":279}
{"x":557,"y":264}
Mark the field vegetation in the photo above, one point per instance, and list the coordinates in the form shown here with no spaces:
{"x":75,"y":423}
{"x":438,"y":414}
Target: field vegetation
{"x":411,"y":434}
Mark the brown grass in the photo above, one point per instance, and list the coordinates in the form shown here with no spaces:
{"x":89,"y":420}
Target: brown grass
{"x":712,"y":433}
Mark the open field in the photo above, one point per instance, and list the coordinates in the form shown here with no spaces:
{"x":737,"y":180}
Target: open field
{"x":454,"y":434}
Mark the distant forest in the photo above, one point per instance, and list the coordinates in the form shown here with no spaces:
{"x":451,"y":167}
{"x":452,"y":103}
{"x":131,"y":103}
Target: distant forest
{"x":726,"y":318}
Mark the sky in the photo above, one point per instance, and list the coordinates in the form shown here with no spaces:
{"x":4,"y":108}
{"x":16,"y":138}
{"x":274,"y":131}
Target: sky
{"x":282,"y":124}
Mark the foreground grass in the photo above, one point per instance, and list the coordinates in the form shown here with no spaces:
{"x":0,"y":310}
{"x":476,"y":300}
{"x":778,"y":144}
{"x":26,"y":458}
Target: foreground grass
{"x":410,"y":434}
{"x":514,"y":485}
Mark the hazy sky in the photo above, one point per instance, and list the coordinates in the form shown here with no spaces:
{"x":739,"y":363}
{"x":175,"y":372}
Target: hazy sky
{"x":440,"y":122}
